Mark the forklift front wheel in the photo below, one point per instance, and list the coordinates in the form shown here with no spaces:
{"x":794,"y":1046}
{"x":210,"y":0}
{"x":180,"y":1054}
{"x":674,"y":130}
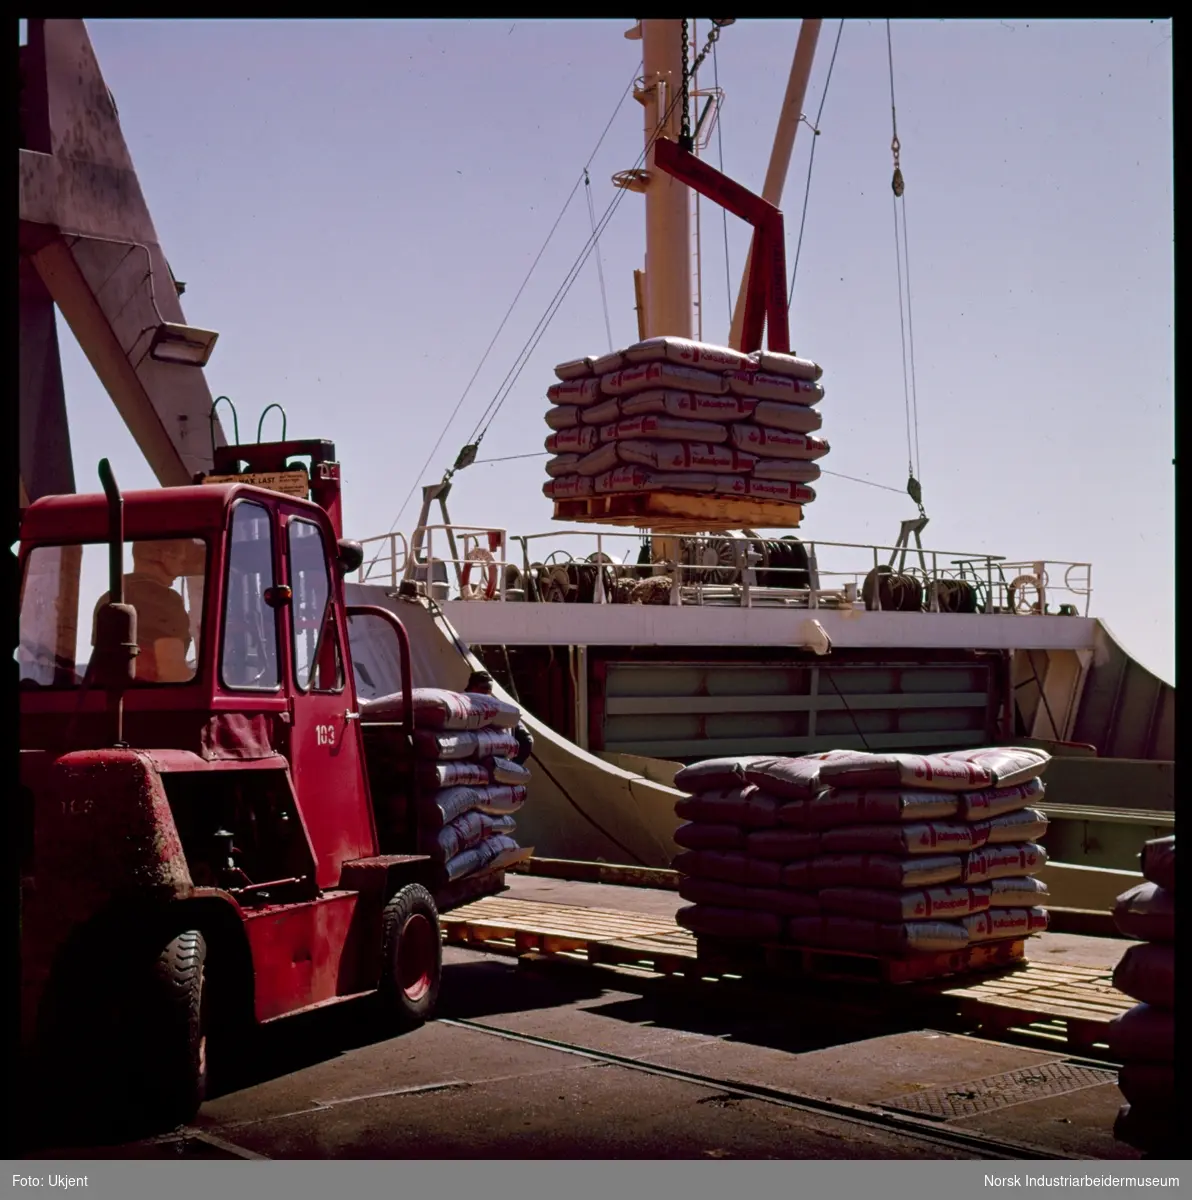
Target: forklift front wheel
{"x":168,"y":1033}
{"x":413,"y":957}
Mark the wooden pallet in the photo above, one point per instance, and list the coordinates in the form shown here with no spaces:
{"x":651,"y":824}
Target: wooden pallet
{"x":681,"y":512}
{"x":635,"y":939}
{"x":816,"y":963}
{"x":594,"y":935}
{"x":1000,"y":993}
{"x":1047,"y":1002}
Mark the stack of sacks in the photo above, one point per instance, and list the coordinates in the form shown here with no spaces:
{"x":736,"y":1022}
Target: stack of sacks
{"x":671,"y":415}
{"x":926,"y":852}
{"x":886,"y":854}
{"x":1143,"y":1039}
{"x":468,"y":786}
{"x":736,"y":848}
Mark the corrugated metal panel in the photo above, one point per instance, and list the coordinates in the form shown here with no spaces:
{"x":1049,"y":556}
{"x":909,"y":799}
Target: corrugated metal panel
{"x":1126,"y":712}
{"x":698,"y":710}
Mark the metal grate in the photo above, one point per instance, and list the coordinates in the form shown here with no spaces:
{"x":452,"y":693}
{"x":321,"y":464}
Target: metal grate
{"x":977,"y":1096}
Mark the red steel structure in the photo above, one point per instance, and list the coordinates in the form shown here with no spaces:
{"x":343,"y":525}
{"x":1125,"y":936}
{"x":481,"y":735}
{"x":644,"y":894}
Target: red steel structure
{"x":88,"y":246}
{"x":766,"y":303}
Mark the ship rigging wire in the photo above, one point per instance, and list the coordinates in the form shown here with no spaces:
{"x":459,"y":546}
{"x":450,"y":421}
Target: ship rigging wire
{"x":536,"y":336}
{"x":480,"y":462}
{"x":868,"y":482}
{"x":910,"y":458}
{"x":539,"y":331}
{"x":608,"y":328}
{"x":885,"y":487}
{"x":815,"y":130}
{"x":728,"y":281}
{"x":905,"y":319}
{"x":509,"y":311}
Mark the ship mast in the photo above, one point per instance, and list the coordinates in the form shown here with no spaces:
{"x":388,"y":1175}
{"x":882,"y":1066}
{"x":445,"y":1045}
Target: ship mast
{"x":665,"y":289}
{"x":667,"y":295}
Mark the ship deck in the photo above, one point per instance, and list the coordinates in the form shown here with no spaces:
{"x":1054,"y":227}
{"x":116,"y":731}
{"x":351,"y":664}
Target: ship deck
{"x":705,"y":625}
{"x":544,"y":1056}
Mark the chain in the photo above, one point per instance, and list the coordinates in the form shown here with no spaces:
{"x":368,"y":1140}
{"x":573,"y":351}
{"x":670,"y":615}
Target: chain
{"x":685,"y":139}
{"x":713,"y":38}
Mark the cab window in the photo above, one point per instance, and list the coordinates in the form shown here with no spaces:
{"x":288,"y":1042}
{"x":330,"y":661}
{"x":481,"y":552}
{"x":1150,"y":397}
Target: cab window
{"x":63,"y":588}
{"x":318,"y":664}
{"x":249,"y":658}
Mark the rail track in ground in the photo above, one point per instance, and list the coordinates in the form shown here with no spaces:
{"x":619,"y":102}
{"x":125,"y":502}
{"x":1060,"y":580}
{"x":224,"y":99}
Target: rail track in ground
{"x":923,"y":1129}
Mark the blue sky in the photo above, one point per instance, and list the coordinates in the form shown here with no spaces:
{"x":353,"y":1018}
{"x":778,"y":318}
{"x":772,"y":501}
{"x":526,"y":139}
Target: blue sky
{"x":354,"y":204}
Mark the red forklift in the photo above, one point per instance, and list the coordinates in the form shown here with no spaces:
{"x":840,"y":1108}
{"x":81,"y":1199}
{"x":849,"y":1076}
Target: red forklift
{"x":213,"y":836}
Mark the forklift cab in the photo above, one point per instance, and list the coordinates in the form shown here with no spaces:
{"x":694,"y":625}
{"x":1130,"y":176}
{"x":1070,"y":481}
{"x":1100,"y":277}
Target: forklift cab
{"x":238,"y":612}
{"x":254,"y":664}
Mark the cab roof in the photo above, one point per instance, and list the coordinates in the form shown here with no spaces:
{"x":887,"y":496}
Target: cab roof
{"x":182,"y":511}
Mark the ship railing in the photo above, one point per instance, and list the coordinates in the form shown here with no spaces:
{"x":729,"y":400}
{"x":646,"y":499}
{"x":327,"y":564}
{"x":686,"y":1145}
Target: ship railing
{"x":1047,"y":587}
{"x":724,"y":570}
{"x":475,"y":553}
{"x":393,"y":552}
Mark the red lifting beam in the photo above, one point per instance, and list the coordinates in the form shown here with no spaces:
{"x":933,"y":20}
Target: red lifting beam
{"x":765,"y":298}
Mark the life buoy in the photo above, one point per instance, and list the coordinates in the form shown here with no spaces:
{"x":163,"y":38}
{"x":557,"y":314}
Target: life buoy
{"x":488,"y":588}
{"x":1016,"y":595}
{"x":488,"y":557}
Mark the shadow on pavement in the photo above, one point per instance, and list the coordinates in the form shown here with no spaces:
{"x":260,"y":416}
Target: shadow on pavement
{"x":473,"y":987}
{"x":794,"y":1022}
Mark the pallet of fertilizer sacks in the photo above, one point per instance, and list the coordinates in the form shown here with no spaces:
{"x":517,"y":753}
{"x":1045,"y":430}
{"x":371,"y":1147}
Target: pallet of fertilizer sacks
{"x":681,"y":512}
{"x":818,"y":963}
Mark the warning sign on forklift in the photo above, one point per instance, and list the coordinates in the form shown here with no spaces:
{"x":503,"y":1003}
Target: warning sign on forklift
{"x":289,"y":483}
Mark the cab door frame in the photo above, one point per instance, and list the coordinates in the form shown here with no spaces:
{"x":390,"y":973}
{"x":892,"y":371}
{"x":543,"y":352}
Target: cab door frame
{"x":327,"y":758}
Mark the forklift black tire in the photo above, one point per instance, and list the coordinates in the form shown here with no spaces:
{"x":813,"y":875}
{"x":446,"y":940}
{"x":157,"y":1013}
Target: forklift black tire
{"x":170,"y":1032}
{"x":413,"y":957}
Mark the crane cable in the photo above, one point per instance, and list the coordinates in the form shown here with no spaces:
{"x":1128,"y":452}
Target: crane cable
{"x":504,"y":320}
{"x":483,"y":462}
{"x":608,"y":328}
{"x":906,"y":324}
{"x":815,"y":129}
{"x":467,"y":455}
{"x":728,"y":284}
